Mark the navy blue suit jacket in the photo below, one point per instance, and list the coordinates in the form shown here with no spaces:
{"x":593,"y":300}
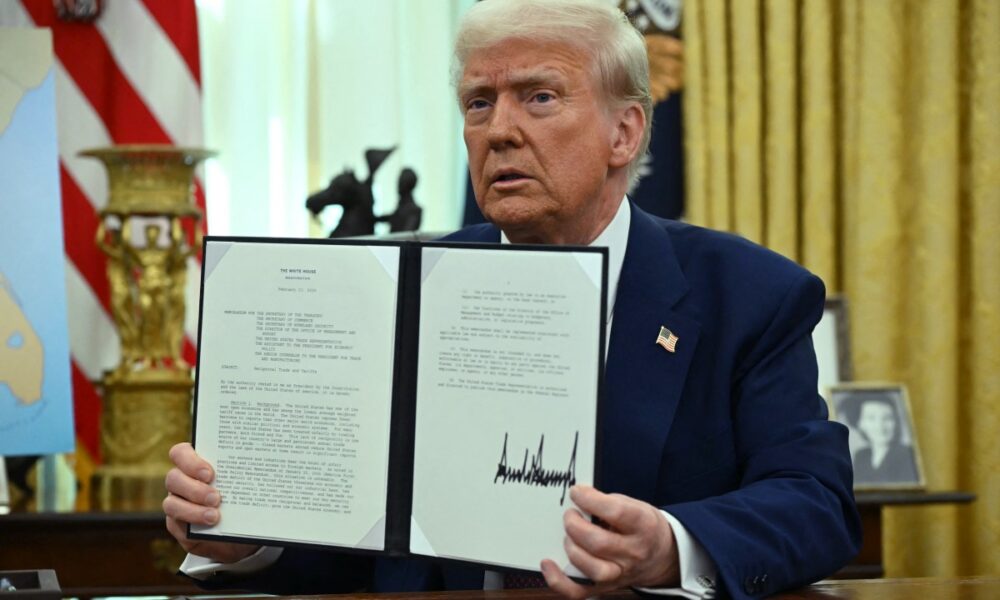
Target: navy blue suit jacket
{"x":728,"y":434}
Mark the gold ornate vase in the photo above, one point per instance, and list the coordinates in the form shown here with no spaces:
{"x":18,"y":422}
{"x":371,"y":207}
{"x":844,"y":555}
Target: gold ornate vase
{"x":148,"y":230}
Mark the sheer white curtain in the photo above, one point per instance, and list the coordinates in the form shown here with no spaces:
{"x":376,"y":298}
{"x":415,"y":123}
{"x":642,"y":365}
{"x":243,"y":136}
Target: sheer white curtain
{"x":295,"y":91}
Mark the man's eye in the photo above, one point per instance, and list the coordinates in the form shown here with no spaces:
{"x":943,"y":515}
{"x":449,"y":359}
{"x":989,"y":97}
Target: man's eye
{"x":543,"y":97}
{"x":477,"y":104}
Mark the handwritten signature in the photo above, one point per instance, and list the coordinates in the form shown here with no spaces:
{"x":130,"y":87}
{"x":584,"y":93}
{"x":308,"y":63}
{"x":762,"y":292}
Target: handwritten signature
{"x":535,"y":474}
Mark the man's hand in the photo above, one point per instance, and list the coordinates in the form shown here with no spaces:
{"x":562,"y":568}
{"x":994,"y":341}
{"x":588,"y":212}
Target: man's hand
{"x":635,"y":548}
{"x":190,"y":499}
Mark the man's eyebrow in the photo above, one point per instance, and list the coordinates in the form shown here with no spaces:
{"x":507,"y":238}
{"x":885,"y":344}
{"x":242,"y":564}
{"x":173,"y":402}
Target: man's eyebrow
{"x":473,"y":88}
{"x":526,"y":79}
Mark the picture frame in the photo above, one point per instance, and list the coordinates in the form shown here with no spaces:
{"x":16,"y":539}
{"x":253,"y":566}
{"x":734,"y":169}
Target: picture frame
{"x":883,"y":442}
{"x":831,"y":340}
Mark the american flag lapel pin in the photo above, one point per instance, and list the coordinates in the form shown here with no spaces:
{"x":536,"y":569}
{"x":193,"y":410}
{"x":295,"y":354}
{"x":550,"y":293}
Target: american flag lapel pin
{"x":667,"y":339}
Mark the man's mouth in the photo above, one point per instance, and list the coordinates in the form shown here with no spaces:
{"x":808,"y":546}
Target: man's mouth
{"x":509,"y":176}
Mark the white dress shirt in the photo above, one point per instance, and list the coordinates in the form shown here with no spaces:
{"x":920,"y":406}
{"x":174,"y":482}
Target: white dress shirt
{"x":697,"y":570}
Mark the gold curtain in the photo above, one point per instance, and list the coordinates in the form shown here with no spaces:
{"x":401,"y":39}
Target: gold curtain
{"x":862,"y":139}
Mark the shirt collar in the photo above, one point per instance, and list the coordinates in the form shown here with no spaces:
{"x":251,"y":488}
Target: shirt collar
{"x":615,"y":239}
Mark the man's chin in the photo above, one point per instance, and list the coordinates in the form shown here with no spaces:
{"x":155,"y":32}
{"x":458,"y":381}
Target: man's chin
{"x":518,"y":224}
{"x":512,"y":211}
{"x":527,"y":231}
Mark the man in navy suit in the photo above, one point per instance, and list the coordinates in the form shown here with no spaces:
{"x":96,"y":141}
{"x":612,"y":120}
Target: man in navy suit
{"x":722,"y":475}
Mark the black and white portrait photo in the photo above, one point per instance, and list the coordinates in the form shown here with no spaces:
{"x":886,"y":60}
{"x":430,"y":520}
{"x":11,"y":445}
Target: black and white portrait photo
{"x":883,"y":445}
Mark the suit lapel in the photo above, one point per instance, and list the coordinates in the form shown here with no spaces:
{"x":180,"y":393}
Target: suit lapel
{"x":644,"y":381}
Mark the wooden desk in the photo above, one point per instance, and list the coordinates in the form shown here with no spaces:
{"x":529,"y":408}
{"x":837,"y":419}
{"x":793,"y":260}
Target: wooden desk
{"x":972,"y":588}
{"x":985,"y":588}
{"x":101,"y":554}
{"x":96,"y":554}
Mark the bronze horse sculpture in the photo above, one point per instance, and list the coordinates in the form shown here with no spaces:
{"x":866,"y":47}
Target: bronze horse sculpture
{"x":358,"y":202}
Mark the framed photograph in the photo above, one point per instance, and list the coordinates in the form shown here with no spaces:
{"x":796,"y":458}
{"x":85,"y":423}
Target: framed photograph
{"x":831,"y":339}
{"x":882,"y":439}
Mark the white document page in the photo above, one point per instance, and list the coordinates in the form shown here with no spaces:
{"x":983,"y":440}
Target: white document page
{"x":295,"y":389}
{"x":507,"y":390}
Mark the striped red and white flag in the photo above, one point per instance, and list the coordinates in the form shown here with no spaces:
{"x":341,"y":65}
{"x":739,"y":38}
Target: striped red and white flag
{"x":130,"y":76}
{"x":667,"y":339}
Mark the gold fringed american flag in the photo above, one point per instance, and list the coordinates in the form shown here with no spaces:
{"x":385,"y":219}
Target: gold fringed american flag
{"x":667,"y":339}
{"x":126,"y":73}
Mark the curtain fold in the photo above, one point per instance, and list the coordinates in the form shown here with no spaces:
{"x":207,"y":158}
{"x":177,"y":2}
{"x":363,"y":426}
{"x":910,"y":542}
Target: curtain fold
{"x":862,"y":139}
{"x":747,"y":121}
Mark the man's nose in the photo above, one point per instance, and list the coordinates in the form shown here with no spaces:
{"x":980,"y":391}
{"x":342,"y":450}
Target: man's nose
{"x":505,"y":129}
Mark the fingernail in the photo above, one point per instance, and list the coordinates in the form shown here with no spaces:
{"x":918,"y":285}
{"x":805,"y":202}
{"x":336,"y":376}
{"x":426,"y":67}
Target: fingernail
{"x":211,"y":515}
{"x":212,"y":499}
{"x":205,"y":475}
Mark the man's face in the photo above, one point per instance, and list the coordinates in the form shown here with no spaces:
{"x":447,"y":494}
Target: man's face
{"x":877,"y":422}
{"x":541,"y":141}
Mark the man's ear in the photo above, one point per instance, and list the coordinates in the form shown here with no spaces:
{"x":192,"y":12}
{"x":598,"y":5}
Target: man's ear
{"x":627,"y":136}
